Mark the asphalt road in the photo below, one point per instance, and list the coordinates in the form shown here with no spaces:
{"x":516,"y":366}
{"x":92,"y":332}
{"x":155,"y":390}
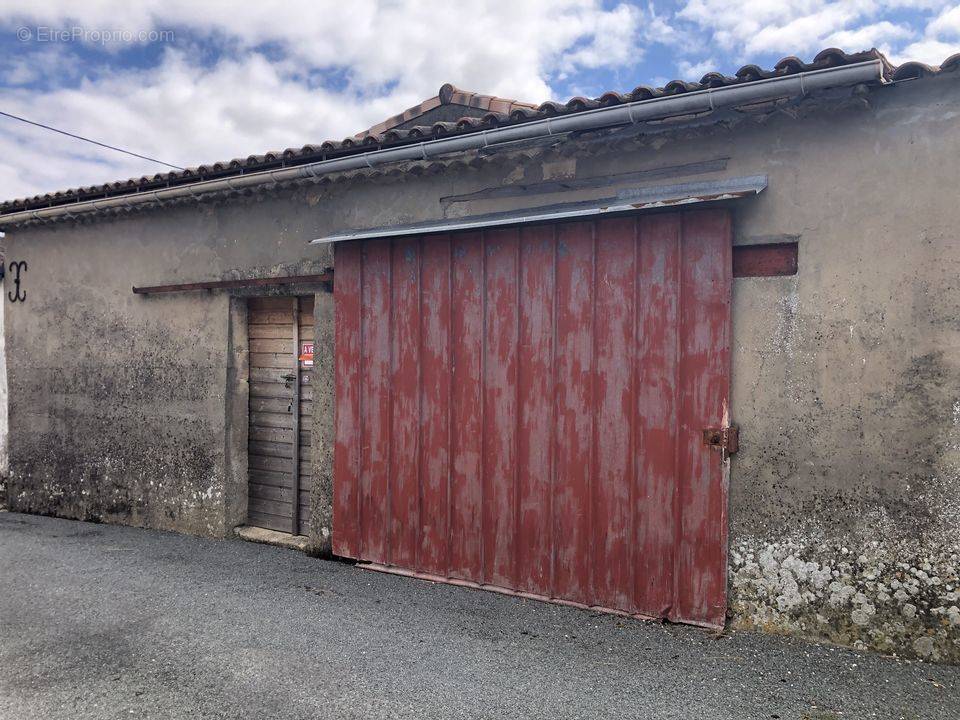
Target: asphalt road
{"x":108,"y":622}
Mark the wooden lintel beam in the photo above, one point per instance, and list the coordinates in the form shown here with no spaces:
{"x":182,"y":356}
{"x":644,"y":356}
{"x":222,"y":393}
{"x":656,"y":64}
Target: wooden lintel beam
{"x":322,"y":278}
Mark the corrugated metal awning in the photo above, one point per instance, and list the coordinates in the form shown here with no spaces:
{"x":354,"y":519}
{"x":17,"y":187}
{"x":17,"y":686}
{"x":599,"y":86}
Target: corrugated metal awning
{"x":627,"y":200}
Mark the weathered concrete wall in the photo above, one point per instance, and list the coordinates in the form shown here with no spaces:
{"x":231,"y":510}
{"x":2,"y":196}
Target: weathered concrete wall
{"x":845,"y":518}
{"x":3,"y":390}
{"x":845,"y":504}
{"x":323,"y":436}
{"x":119,"y":403}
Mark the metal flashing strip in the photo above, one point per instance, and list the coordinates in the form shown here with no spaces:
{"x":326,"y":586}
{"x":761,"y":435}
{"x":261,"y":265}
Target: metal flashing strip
{"x":628,"y":200}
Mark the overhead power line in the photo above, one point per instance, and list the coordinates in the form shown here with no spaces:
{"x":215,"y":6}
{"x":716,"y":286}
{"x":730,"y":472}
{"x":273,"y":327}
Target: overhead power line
{"x":94,"y":142}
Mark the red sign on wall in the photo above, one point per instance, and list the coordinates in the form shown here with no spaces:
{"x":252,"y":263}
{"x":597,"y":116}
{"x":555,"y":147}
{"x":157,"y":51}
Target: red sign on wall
{"x":306,"y":355}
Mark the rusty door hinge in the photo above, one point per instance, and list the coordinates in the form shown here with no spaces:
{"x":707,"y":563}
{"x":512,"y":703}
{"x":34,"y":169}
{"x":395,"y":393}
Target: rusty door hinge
{"x":726,"y":439}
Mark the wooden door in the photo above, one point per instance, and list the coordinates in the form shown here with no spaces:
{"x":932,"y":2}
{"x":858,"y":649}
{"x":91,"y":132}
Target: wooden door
{"x":281,"y":410}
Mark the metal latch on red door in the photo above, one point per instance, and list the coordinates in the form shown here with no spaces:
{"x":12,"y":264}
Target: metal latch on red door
{"x":725,"y":439}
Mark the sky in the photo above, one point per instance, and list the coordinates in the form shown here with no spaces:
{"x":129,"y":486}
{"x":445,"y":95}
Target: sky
{"x":191,"y":82}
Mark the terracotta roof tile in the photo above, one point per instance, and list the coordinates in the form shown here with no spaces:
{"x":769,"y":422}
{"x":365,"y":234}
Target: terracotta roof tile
{"x":448,"y":95}
{"x":501,"y":112}
{"x":912,"y":70}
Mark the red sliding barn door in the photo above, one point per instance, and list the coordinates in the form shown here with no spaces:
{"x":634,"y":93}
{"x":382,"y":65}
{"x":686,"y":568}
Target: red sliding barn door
{"x":524,"y":408}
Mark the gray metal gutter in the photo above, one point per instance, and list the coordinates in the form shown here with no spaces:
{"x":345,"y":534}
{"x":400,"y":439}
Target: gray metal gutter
{"x":699,"y":101}
{"x":629,"y":200}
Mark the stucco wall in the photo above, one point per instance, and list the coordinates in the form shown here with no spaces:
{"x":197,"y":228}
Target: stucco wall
{"x":3,"y":392}
{"x":845,"y":519}
{"x":120,"y":402}
{"x":845,"y":503}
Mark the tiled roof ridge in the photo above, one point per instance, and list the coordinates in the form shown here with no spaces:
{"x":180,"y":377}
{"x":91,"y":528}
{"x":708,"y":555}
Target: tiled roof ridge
{"x":447,"y":95}
{"x":518,"y":113}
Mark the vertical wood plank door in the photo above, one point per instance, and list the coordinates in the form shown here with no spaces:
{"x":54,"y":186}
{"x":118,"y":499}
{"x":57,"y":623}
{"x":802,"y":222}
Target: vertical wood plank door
{"x":280,"y":329}
{"x":522,"y":409}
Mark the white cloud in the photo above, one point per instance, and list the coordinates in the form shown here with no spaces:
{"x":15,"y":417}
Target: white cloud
{"x":931,"y":52}
{"x":183,"y":113}
{"x":505,"y":48}
{"x":941,"y":40}
{"x":613,"y":40}
{"x":867,"y":36}
{"x":694,"y":71}
{"x":657,"y":27}
{"x":802,"y":26}
{"x":391,"y":55}
{"x":733,"y":28}
{"x":946,"y":24}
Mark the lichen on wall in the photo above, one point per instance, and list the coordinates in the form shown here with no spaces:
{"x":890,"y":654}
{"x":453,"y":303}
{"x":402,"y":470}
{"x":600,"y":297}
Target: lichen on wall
{"x":846,"y":496}
{"x":894,"y":597}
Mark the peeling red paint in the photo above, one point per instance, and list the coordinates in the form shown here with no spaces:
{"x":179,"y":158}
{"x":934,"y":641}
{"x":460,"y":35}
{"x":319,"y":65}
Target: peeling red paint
{"x":523,"y":409}
{"x":765,"y":260}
